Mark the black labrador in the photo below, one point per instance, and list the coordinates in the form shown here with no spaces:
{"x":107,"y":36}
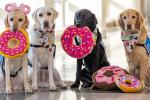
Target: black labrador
{"x":97,"y":58}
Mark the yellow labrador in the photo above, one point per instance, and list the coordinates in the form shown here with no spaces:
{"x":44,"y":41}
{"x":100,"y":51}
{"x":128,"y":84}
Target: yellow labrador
{"x":16,"y":20}
{"x":41,"y":54}
{"x":138,"y":58}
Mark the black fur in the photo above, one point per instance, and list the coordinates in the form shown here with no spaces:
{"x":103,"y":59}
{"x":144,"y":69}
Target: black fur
{"x":96,"y":59}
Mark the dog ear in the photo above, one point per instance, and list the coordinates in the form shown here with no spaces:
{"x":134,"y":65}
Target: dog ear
{"x":140,"y":21}
{"x":26,"y":22}
{"x":55,"y":13}
{"x":120,"y":22}
{"x":6,"y":22}
{"x":34,"y":15}
{"x":94,"y":20}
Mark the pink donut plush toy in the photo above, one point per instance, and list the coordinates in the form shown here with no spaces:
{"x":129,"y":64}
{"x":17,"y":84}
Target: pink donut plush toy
{"x":105,"y":77}
{"x":86,"y":41}
{"x":13,"y":44}
{"x":128,"y":83}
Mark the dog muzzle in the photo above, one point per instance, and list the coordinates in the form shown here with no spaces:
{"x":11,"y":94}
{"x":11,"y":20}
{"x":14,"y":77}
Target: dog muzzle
{"x":129,"y":39}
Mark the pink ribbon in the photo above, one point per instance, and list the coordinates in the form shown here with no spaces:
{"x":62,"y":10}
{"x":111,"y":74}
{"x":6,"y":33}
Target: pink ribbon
{"x":13,"y":6}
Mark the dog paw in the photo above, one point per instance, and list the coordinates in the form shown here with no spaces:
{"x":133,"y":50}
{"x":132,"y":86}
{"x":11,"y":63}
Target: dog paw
{"x":35,"y":87}
{"x":63,"y":85}
{"x":52,"y":88}
{"x":75,"y":85}
{"x":28,"y":90}
{"x":86,"y":85}
{"x":8,"y":92}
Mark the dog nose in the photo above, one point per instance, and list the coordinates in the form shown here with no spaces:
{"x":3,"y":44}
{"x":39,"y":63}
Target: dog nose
{"x":78,"y":24}
{"x":14,"y":29}
{"x":129,"y":26}
{"x":46,"y":24}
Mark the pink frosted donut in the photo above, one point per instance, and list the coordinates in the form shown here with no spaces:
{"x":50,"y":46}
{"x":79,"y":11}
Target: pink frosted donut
{"x":67,"y":41}
{"x":128,"y":83}
{"x":13,"y":44}
{"x":104,"y":78}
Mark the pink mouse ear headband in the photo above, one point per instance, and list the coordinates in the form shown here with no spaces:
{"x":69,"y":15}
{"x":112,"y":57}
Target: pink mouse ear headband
{"x":13,"y":6}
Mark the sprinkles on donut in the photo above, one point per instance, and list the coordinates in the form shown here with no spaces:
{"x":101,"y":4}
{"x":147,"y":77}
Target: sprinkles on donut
{"x":13,"y":44}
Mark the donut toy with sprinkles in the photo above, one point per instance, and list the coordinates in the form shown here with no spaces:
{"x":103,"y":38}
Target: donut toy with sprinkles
{"x":105,"y":77}
{"x":128,"y":84}
{"x":14,"y":44}
{"x":86,"y":41}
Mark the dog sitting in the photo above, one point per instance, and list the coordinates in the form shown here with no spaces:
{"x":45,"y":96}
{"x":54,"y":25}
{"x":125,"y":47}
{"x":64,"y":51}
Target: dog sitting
{"x":137,"y":57}
{"x":97,"y":58}
{"x":15,"y":70}
{"x":41,"y":54}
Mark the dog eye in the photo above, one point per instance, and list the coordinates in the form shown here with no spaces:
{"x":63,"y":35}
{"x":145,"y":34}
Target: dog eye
{"x":20,"y":19}
{"x":133,"y":17}
{"x":48,"y":13}
{"x":11,"y":19}
{"x":124,"y":17}
{"x":41,"y":15}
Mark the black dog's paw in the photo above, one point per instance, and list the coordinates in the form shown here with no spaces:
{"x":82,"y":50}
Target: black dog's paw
{"x":86,"y":85}
{"x":75,"y":85}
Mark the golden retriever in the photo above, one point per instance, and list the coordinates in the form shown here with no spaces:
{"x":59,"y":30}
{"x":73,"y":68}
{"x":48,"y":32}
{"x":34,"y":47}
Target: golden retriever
{"x":16,"y":20}
{"x":138,"y":58}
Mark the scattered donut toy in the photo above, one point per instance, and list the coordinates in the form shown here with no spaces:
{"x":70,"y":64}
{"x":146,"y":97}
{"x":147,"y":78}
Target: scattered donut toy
{"x":14,"y":44}
{"x":85,"y":38}
{"x":104,"y":78}
{"x":128,"y":83}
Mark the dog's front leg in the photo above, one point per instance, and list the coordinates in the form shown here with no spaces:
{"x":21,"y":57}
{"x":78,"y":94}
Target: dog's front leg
{"x":78,"y":73}
{"x":34,"y":75}
{"x":52,"y":85}
{"x":25,"y":75}
{"x":143,"y":71}
{"x":7,"y":76}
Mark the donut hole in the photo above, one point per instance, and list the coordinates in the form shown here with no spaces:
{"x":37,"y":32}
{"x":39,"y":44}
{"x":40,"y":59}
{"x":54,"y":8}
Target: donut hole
{"x":77,"y":40}
{"x":128,"y":81}
{"x":109,"y":73}
{"x":12,"y":43}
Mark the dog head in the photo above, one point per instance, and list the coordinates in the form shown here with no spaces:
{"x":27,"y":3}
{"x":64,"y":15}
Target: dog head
{"x":17,"y":16}
{"x":85,"y":17}
{"x":16,"y":20}
{"x":131,"y":19}
{"x":45,"y":18}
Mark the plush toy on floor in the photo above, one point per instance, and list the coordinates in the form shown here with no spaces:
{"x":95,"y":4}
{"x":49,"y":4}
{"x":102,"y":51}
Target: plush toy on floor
{"x":128,"y":83}
{"x":104,"y":78}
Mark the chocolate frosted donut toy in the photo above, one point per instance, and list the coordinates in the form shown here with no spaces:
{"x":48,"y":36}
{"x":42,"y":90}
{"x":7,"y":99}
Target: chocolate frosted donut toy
{"x":105,"y":77}
{"x":13,"y":44}
{"x":128,"y":83}
{"x":85,"y":38}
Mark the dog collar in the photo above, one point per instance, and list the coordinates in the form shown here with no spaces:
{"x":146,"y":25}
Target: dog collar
{"x":46,"y":38}
{"x":41,"y":46}
{"x":129,"y":39}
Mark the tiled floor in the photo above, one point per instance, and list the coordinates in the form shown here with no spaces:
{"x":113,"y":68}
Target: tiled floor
{"x":67,"y":65}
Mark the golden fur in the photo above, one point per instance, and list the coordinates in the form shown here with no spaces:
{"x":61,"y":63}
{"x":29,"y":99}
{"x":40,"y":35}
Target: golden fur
{"x":138,"y":59}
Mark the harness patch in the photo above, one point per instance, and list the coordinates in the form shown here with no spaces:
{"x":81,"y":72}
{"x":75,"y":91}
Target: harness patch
{"x":147,"y":45}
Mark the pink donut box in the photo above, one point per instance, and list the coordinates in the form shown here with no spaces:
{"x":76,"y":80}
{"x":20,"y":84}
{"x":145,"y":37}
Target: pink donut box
{"x":84,"y":48}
